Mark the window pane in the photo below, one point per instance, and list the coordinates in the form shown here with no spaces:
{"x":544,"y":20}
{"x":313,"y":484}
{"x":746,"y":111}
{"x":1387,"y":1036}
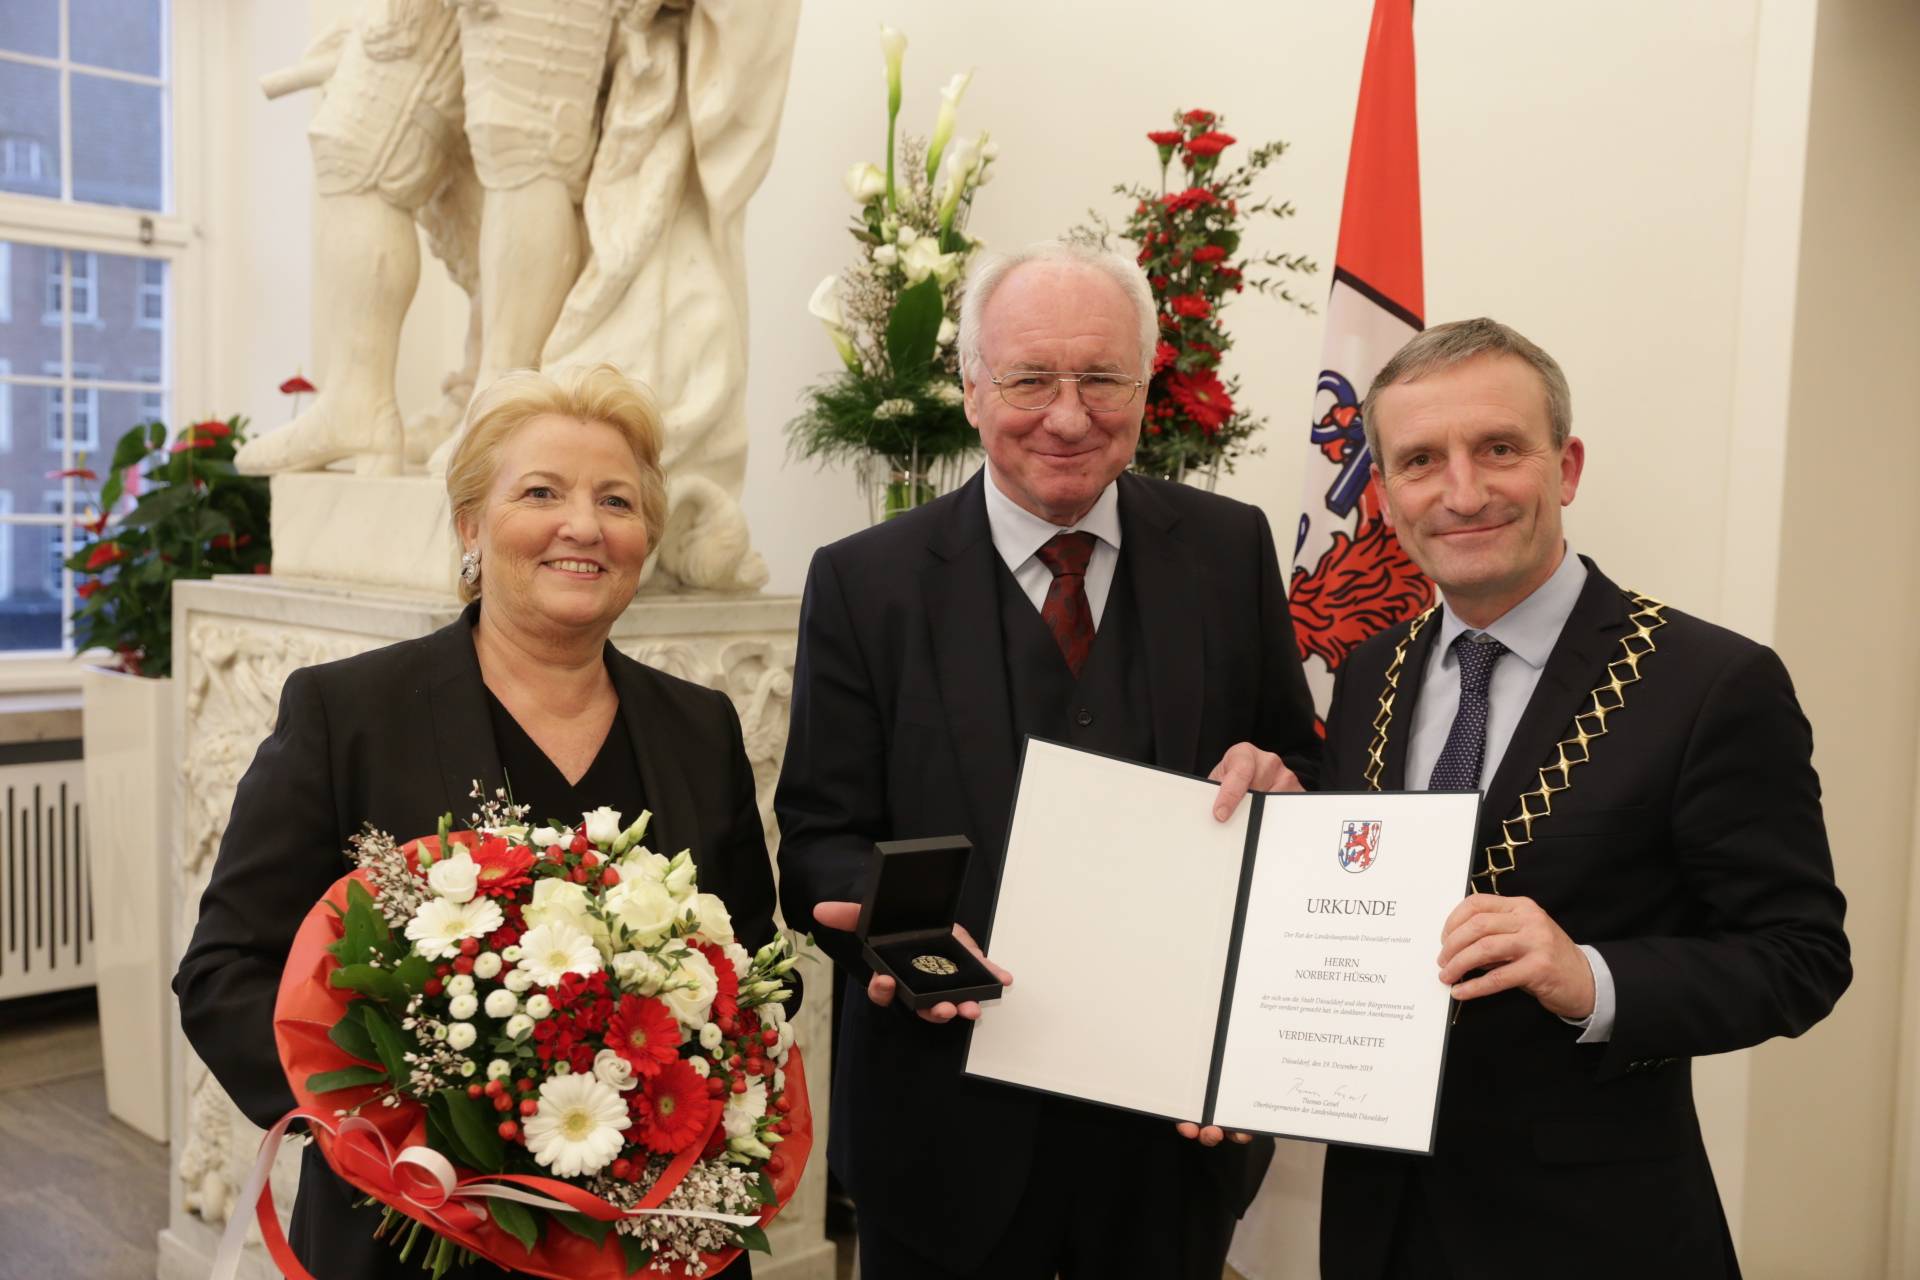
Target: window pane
{"x":117,"y":142}
{"x":120,"y":412}
{"x":31,"y":26}
{"x":30,"y":129}
{"x":123,"y":35}
{"x":30,"y":606}
{"x":29,"y":332}
{"x":115,"y":336}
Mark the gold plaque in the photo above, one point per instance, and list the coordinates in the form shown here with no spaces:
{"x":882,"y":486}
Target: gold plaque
{"x":938,"y":965}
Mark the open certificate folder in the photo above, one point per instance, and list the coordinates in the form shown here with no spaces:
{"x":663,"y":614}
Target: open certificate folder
{"x":1274,"y":973}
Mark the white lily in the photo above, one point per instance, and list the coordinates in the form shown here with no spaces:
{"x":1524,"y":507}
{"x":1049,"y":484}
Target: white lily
{"x":943,"y":123}
{"x":824,"y":306}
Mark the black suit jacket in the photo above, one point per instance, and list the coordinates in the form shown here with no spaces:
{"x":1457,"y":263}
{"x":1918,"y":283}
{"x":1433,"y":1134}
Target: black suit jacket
{"x":396,"y":737}
{"x":1690,"y":851}
{"x":902,"y":728}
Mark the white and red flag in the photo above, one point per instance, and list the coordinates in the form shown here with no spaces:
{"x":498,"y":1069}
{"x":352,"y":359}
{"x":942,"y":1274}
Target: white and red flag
{"x":1350,"y":577}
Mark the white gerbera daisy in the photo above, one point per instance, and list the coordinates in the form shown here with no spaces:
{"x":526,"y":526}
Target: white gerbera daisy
{"x":438,"y":926}
{"x":577,"y":1128}
{"x":551,"y":951}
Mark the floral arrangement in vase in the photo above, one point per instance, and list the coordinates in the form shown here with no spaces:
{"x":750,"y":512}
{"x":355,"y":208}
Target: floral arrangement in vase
{"x":894,"y":408}
{"x":1190,"y":240}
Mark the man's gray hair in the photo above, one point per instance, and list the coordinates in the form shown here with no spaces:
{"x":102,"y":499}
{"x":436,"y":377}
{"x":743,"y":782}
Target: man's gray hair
{"x":990,"y":270}
{"x":1446,"y":345}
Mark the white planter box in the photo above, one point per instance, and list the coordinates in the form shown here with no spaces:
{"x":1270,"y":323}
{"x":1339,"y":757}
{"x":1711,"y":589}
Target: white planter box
{"x":130,"y":771}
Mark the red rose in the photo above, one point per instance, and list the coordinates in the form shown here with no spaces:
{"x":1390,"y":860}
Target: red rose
{"x":1199,"y":117}
{"x":1202,"y":398}
{"x":1209,"y":253}
{"x":104,"y":554}
{"x":1210,"y":143}
{"x":1165,"y":137}
{"x":1191,"y":305}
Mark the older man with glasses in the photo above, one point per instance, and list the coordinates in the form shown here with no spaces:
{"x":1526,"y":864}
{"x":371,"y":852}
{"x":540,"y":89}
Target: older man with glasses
{"x":1055,"y":595}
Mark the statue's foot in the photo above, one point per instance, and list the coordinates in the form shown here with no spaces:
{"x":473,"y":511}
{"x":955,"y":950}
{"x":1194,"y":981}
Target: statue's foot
{"x":336,"y":428}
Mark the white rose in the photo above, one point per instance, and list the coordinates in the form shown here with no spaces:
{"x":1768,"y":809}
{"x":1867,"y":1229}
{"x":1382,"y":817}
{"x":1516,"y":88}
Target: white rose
{"x":691,"y":993}
{"x":647,"y":909}
{"x":460,"y":985}
{"x":906,"y":236}
{"x":886,"y":255}
{"x":737,"y":956}
{"x":557,"y":901}
{"x":539,"y":1007}
{"x":639,"y":972}
{"x":544,"y":836}
{"x":501,"y":1004}
{"x":455,"y":878}
{"x":865,"y":181}
{"x":701,"y":1067}
{"x":715,"y":922}
{"x":486,"y":964}
{"x":709,"y":1038}
{"x":743,"y":1110}
{"x":603,"y":825}
{"x":519,"y":1023}
{"x":460,"y":1036}
{"x":517,"y":980}
{"x":463,"y":1007}
{"x":613,"y":1071}
{"x":948,"y":332}
{"x":499,"y":1069}
{"x":642,"y":865}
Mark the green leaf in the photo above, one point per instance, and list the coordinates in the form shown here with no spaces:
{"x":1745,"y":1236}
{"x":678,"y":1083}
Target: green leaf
{"x":390,"y":1043}
{"x":581,"y":1225}
{"x":516,"y":1220}
{"x":636,"y":1254}
{"x":344,"y":1078}
{"x":473,"y":1119}
{"x":440,"y":1132}
{"x":131,"y":447}
{"x":376,"y":984}
{"x":110,"y":491}
{"x":763,"y":1192}
{"x":915,"y":326}
{"x":414,"y":973}
{"x":160,"y":504}
{"x":752,"y":1238}
{"x":350,"y":1033}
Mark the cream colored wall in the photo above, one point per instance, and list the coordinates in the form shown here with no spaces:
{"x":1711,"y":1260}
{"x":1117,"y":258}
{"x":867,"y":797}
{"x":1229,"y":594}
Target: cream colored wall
{"x":1622,"y":186}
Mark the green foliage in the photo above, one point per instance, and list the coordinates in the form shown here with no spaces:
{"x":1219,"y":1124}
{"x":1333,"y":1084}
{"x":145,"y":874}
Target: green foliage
{"x":581,"y":1225}
{"x":474,"y":1123}
{"x":344,"y":1078}
{"x":516,"y":1220}
{"x":636,"y":1255}
{"x":752,"y":1238}
{"x":194,"y":516}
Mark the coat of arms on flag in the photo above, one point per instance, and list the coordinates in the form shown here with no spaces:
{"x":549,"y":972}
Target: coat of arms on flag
{"x":1350,"y":577}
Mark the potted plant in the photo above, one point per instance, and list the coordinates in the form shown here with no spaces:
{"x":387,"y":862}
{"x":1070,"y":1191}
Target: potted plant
{"x":165,"y":512}
{"x":1190,"y":244}
{"x":894,"y":410}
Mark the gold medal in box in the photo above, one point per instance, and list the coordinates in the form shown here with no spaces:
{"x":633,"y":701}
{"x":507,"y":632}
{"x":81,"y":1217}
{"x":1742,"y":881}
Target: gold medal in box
{"x":906,"y":924}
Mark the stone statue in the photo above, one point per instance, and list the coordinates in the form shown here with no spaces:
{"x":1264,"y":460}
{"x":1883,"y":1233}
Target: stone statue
{"x":583,"y":168}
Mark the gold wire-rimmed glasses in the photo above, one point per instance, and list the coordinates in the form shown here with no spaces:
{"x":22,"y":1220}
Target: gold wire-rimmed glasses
{"x":1038,"y":388}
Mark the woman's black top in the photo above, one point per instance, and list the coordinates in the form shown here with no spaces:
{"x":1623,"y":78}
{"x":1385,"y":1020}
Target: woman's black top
{"x":613,"y":779}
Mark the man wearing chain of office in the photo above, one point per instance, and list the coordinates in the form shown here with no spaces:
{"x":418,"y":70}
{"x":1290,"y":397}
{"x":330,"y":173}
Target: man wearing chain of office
{"x":1651,"y":877}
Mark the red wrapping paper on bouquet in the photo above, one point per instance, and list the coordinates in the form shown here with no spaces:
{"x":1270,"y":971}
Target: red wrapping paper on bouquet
{"x":308,"y":1007}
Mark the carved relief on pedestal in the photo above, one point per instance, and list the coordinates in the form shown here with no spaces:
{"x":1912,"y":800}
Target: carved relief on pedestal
{"x":232,"y":678}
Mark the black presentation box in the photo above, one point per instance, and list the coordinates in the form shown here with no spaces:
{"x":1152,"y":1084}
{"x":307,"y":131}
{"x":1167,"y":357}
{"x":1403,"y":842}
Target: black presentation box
{"x":913,"y":893}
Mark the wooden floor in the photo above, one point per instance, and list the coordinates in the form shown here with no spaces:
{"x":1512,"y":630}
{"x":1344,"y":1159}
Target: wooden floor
{"x":81,"y":1195}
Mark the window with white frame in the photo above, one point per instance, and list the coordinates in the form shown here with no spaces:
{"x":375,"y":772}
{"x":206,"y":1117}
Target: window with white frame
{"x":90,"y":108}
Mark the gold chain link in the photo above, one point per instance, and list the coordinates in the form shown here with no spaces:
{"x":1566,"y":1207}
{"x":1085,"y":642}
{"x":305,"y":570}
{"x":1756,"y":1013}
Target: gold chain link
{"x":1383,"y":719}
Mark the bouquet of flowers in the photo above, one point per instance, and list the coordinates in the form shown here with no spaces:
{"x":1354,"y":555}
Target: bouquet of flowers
{"x":582,"y":1072}
{"x":1190,"y":245}
{"x":893,"y":316}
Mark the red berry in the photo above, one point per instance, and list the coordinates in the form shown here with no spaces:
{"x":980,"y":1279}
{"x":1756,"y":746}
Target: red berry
{"x":492,"y":1089}
{"x":525,"y":1086}
{"x":442,"y":970}
{"x":501,"y":1102}
{"x":783,"y":1104}
{"x":610,"y":877}
{"x":463,"y":964}
{"x":469,"y":946}
{"x":590,"y":858}
{"x":739,"y":1084}
{"x":579,"y":843}
{"x":529,"y":1105}
{"x":716,"y":1085}
{"x":509,"y":1130}
{"x":434,"y":986}
{"x":770,"y":1037}
{"x":475,"y":1091}
{"x":776,"y":1162}
{"x":622,"y":1167}
{"x":578,"y":875}
{"x":783,"y":1127}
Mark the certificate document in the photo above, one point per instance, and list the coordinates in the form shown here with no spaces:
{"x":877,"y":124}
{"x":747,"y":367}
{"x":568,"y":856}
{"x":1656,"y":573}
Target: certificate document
{"x":1274,"y":973}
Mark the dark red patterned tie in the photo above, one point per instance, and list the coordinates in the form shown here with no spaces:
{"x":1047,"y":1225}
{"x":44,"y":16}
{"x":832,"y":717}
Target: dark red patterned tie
{"x":1066,"y":611}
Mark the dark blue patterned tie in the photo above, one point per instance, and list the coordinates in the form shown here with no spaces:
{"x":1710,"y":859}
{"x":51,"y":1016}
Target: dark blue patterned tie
{"x":1458,"y":768}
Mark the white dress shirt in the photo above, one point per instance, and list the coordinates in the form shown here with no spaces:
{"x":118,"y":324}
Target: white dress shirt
{"x":1529,"y":630}
{"x":1018,"y":534}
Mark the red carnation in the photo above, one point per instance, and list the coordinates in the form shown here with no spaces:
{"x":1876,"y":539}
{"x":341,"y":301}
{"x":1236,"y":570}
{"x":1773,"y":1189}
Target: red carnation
{"x":1165,"y":137}
{"x":1190,"y":305}
{"x":1210,"y":143}
{"x":645,"y":1034}
{"x":295,"y":385}
{"x":1198,"y":117}
{"x":104,"y":554}
{"x":73,"y":473}
{"x":1191,"y":198}
{"x":726,"y":1001}
{"x":1209,"y":253}
{"x":678,"y":1109}
{"x":502,"y":867}
{"x":1202,"y":398}
{"x":1164,"y":355}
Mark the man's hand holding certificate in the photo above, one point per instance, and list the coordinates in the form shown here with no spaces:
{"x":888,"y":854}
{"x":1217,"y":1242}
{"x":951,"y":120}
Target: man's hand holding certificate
{"x":1272,"y":973}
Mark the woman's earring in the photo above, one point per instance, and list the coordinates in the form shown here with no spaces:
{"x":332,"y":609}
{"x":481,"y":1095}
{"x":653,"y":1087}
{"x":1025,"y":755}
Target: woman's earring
{"x":470,"y":568}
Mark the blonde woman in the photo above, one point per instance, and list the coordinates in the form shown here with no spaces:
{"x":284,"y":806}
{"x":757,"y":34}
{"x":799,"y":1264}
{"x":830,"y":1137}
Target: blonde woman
{"x":557,"y":495}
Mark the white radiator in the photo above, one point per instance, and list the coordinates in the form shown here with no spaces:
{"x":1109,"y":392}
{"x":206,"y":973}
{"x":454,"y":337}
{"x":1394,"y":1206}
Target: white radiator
{"x":46,"y":885}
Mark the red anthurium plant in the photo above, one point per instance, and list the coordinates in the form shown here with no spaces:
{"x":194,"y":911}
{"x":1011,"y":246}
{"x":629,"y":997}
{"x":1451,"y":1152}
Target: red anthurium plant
{"x":1188,"y":234}
{"x":169,"y":509}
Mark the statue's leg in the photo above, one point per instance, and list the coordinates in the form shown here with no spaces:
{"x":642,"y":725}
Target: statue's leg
{"x":366,"y":266}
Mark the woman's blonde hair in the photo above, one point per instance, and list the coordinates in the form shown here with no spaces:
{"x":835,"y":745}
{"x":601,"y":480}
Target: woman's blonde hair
{"x":591,"y":393}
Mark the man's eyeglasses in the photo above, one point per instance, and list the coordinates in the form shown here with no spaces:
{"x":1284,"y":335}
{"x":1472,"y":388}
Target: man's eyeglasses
{"x":1038,"y":388}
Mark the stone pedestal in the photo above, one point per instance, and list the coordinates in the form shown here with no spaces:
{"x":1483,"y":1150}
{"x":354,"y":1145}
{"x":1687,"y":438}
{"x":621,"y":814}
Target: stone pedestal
{"x":236,"y":640}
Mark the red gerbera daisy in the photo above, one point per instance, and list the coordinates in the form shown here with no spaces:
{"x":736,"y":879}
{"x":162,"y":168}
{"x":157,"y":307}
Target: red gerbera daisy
{"x":1202,"y":398}
{"x":678,"y":1109}
{"x":503,"y":867}
{"x":645,"y":1034}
